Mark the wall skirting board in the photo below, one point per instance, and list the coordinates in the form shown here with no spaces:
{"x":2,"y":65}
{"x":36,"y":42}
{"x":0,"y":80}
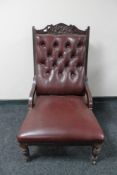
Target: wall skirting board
{"x":14,"y":101}
{"x":25,"y":101}
{"x":105,"y":99}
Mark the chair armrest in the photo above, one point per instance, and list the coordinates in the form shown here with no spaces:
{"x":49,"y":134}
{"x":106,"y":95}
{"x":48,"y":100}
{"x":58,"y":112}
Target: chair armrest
{"x":88,"y":95}
{"x":32,"y":94}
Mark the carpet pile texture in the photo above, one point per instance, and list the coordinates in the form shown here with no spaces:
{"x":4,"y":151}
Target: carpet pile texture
{"x":57,"y":160}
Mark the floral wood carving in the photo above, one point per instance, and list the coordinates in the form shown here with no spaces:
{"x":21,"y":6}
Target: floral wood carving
{"x":61,"y":29}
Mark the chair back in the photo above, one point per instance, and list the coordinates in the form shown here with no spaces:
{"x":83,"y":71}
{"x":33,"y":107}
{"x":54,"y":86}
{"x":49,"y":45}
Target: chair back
{"x":60,"y":59}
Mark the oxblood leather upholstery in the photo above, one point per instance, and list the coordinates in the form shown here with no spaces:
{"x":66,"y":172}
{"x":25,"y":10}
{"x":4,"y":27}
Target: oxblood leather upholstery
{"x":60,"y":64}
{"x":58,"y":111}
{"x":60,"y":118}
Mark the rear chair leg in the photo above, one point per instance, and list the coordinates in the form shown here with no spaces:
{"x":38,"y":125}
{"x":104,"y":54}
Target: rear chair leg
{"x":25,"y":151}
{"x":96,"y":148}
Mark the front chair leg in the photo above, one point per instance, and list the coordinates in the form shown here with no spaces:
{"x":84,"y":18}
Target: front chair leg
{"x":96,"y":148}
{"x":25,"y":151}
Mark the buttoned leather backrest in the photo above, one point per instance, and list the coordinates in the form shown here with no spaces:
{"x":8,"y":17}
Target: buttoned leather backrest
{"x":60,"y":63}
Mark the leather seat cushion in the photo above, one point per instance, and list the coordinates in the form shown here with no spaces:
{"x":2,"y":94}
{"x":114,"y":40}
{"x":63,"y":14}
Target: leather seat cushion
{"x":60,"y":118}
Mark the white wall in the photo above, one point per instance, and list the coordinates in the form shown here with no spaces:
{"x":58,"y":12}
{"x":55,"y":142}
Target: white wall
{"x":16,"y":58}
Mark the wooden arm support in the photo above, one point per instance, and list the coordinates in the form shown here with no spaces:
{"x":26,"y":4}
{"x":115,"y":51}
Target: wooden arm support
{"x":88,"y":95}
{"x":32,"y":94}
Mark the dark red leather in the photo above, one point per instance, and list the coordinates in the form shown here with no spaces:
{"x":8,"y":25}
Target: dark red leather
{"x":60,"y":118}
{"x":60,"y":64}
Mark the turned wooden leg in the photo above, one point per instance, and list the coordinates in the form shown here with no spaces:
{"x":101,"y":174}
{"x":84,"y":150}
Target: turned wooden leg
{"x":96,"y":148}
{"x":25,"y":151}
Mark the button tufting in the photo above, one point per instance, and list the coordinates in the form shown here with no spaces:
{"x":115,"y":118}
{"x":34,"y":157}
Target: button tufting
{"x":47,"y":72}
{"x":42,"y":61}
{"x":42,"y":43}
{"x":80,"y":43}
{"x":67,"y":44}
{"x":72,"y":74}
{"x":77,"y":65}
{"x":67,"y":64}
{"x":60,"y":59}
{"x":49,"y":53}
{"x":54,"y":63}
{"x":73,"y":55}
{"x":55,"y":44}
{"x":60,"y":55}
{"x":60,"y":71}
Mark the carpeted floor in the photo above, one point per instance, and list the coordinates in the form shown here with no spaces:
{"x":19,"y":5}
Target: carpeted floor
{"x":57,"y":160}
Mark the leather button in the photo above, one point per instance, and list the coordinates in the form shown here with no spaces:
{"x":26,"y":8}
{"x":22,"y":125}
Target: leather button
{"x":42,"y":61}
{"x":80,"y":43}
{"x":47,"y":72}
{"x":72,"y":74}
{"x":73,"y":55}
{"x":60,"y":55}
{"x":67,"y":44}
{"x":54,"y":63}
{"x":67,"y":64}
{"x":49,"y":54}
{"x":42,"y":43}
{"x":55,"y":44}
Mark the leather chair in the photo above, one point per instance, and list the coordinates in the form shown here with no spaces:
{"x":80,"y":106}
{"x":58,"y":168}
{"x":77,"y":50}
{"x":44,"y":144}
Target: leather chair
{"x":60,"y":102}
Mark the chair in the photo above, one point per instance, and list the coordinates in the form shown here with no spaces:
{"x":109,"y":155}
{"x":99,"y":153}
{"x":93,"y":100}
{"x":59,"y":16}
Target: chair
{"x":60,"y":102}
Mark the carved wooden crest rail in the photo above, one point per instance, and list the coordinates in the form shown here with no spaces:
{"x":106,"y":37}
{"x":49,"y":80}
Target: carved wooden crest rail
{"x":61,"y":28}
